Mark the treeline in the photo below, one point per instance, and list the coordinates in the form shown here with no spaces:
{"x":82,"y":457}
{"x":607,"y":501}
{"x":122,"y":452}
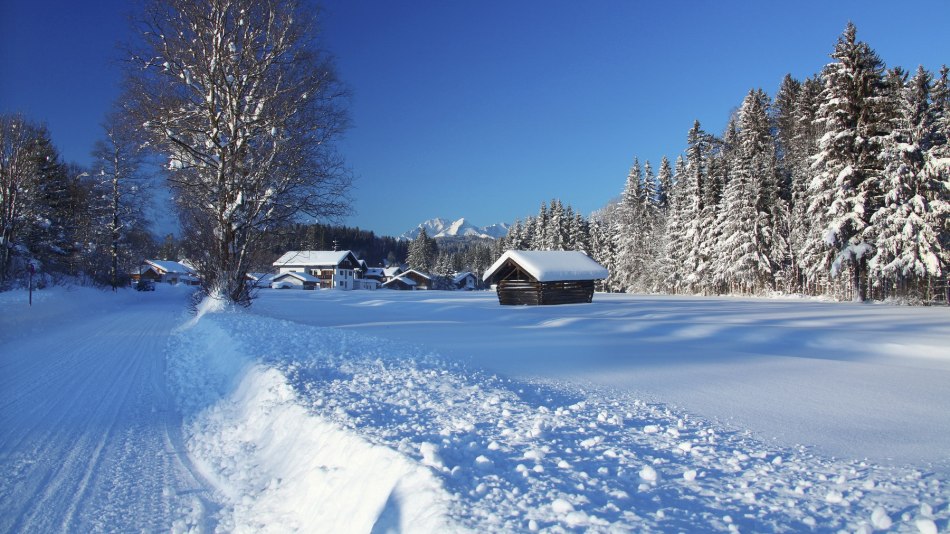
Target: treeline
{"x":839,"y":186}
{"x":375,"y":250}
{"x":85,"y":225}
{"x":445,"y":258}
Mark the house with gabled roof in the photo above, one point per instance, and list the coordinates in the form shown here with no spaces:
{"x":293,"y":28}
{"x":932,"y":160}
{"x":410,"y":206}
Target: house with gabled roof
{"x":422,"y":280}
{"x":166,"y":271}
{"x":400,"y":283}
{"x":465,"y":281}
{"x":335,"y":269}
{"x":536,"y":277}
{"x":294,"y":280}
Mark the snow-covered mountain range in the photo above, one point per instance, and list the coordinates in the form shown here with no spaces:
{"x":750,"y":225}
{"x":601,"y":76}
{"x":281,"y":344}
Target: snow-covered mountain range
{"x":440,"y":227}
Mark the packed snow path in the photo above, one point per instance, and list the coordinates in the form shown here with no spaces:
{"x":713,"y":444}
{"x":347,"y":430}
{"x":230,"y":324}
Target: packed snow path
{"x":89,"y":440}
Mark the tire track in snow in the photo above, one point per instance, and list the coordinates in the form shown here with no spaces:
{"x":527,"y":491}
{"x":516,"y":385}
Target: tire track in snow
{"x":86,"y":429}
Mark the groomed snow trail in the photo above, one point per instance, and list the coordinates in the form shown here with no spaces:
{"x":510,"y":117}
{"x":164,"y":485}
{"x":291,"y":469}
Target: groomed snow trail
{"x":89,"y":439}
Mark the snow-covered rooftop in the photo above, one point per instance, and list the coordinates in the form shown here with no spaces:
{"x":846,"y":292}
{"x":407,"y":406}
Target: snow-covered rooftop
{"x":312,"y":257}
{"x":408,"y":281}
{"x":552,"y":265}
{"x":298,"y":275}
{"x":420,"y":273}
{"x":461,"y":276}
{"x":170,"y":266}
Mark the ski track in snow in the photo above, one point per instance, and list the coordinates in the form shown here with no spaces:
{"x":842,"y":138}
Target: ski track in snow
{"x":89,"y":441}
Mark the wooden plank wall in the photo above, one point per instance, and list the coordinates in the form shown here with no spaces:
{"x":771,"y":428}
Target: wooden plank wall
{"x":529,"y":292}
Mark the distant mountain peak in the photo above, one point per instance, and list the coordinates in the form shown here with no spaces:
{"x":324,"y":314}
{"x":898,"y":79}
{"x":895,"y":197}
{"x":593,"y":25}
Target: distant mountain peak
{"x":440,"y":227}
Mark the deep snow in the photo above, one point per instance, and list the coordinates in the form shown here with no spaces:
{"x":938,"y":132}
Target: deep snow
{"x":386,"y":411}
{"x":853,"y":380}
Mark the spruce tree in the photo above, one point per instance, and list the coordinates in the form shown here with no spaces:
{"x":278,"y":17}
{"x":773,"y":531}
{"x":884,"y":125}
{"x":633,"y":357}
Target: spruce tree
{"x":745,"y":223}
{"x":905,"y":230}
{"x":664,"y":185}
{"x":422,"y":252}
{"x":796,"y":160}
{"x":846,"y":189}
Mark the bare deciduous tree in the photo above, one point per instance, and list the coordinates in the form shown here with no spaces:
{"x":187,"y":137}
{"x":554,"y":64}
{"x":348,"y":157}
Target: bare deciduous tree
{"x":245,"y":106}
{"x":17,"y":170}
{"x":122,"y":193}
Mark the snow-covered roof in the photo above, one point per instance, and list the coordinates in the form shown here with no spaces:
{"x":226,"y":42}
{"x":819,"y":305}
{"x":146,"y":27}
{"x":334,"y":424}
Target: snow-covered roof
{"x":313,"y":257}
{"x":552,"y":265}
{"x":408,"y":281}
{"x":461,"y":276}
{"x":420,"y":273}
{"x":304,"y":277}
{"x":392,"y":271}
{"x":167,"y":266}
{"x":261,"y":277}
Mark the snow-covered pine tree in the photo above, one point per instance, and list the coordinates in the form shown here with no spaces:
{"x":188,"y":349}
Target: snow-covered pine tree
{"x":650,"y":251}
{"x":648,"y":188}
{"x":580,"y":234}
{"x":905,"y":230}
{"x":697,"y":192}
{"x":51,"y":233}
{"x":848,"y":167}
{"x":422,"y":252}
{"x":664,"y":185}
{"x":937,"y":168}
{"x":555,"y":233}
{"x":540,"y":241}
{"x":745,"y":222}
{"x":603,"y":250}
{"x":800,"y":146}
{"x":630,"y":236}
{"x":683,"y":199}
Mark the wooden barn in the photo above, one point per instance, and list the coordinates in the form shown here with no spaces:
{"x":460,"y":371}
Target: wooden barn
{"x":544,"y":277}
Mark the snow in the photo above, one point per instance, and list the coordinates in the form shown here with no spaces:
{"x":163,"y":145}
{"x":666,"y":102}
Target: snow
{"x":173,"y":267}
{"x":303,"y":277}
{"x":440,"y":227}
{"x":551,"y":266}
{"x":89,"y":438}
{"x":332,"y":411}
{"x":297,"y":258}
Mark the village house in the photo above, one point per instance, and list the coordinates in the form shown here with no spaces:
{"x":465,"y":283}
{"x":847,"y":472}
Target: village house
{"x":294,"y":280}
{"x":401,"y":284}
{"x":465,"y":281}
{"x":260,"y":279}
{"x":544,"y":277}
{"x":421,"y":279}
{"x":382,"y":274}
{"x":333,"y":269}
{"x":165,"y":271}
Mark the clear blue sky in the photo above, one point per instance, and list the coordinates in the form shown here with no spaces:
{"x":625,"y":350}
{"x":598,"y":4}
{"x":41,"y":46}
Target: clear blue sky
{"x":484,"y":109}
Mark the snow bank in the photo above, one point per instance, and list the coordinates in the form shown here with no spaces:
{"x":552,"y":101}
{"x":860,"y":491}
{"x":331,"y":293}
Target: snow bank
{"x":331,"y":430}
{"x":276,"y":466}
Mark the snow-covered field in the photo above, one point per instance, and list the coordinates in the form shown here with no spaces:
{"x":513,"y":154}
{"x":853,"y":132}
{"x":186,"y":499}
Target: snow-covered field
{"x":387,"y":411}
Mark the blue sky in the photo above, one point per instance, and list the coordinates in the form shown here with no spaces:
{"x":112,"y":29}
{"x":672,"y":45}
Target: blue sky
{"x":485,"y":109}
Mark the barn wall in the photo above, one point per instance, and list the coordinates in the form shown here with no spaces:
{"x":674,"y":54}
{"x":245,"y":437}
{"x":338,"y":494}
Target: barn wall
{"x":529,"y":292}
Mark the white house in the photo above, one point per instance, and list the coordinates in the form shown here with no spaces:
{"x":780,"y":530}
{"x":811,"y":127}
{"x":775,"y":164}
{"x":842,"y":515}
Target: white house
{"x":294,"y":280}
{"x":333,"y":269}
